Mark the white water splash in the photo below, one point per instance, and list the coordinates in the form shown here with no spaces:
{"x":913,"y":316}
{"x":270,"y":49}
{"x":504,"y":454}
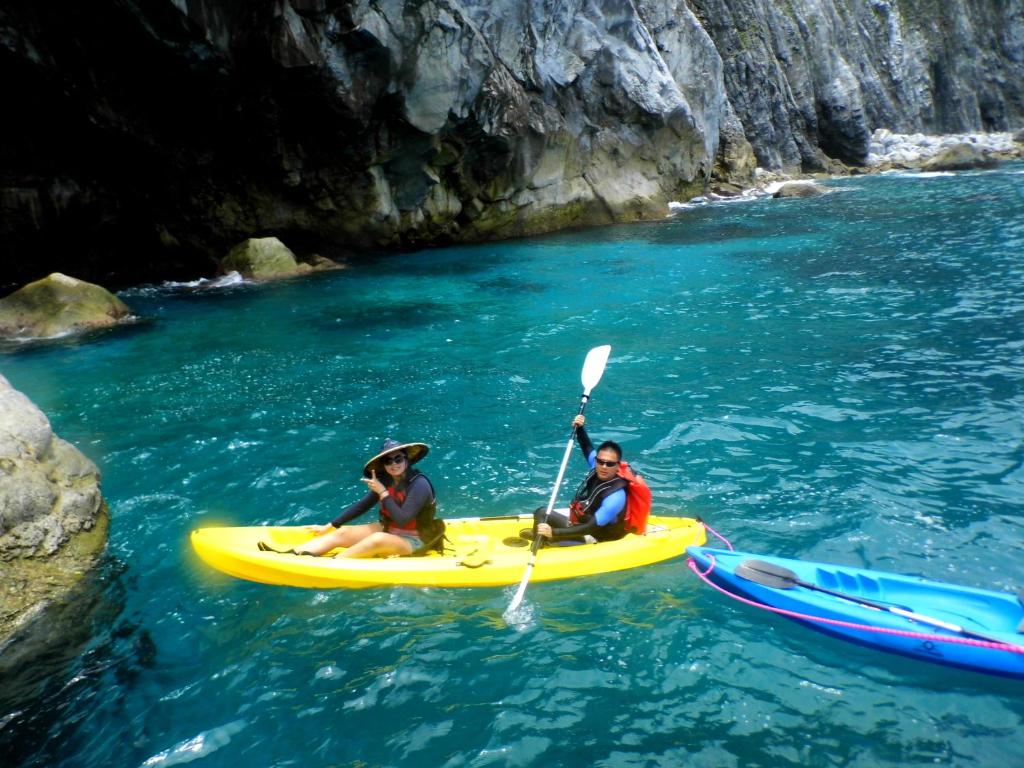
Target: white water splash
{"x":230,"y":280}
{"x":198,"y":746}
{"x":522,"y":618}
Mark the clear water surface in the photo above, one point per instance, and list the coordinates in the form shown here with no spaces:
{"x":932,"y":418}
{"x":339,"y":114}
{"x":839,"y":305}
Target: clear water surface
{"x":838,"y":379}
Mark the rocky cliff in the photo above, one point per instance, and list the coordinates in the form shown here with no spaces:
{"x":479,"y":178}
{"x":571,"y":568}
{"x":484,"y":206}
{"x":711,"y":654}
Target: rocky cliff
{"x":146,"y":137}
{"x":811,"y":79}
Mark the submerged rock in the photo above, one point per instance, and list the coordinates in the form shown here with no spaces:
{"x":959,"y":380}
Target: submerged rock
{"x":267,"y":258}
{"x":53,"y":519}
{"x":59,"y":305}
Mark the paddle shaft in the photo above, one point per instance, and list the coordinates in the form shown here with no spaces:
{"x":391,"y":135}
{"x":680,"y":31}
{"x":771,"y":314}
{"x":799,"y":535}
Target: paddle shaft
{"x":784,"y":574}
{"x":561,"y":469}
{"x":593,"y":370}
{"x":913,"y":615}
{"x":521,"y":591}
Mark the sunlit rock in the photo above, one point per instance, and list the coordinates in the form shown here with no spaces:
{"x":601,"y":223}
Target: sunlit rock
{"x":58,"y":305}
{"x":267,"y":258}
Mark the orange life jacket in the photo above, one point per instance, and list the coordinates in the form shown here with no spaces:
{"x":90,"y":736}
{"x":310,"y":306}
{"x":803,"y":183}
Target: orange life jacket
{"x":638,"y":500}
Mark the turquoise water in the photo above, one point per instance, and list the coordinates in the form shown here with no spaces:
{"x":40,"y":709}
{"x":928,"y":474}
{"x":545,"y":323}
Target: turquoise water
{"x":839,"y":379}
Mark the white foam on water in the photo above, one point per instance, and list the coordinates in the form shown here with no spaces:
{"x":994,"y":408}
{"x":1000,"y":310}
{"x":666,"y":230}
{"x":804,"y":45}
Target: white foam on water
{"x":230,"y":280}
{"x":198,"y":746}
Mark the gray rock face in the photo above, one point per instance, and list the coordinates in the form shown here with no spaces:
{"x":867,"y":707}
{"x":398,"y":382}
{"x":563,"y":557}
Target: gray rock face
{"x":178,"y":129}
{"x":53,"y":519}
{"x":813,"y":76}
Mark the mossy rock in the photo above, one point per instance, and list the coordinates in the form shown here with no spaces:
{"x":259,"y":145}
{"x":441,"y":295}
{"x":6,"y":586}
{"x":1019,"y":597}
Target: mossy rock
{"x":735,"y":163}
{"x":59,"y":305}
{"x":267,"y":258}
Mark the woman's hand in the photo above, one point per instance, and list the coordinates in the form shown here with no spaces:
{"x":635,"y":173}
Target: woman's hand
{"x":543,"y":529}
{"x":578,"y":421}
{"x":373,"y":483}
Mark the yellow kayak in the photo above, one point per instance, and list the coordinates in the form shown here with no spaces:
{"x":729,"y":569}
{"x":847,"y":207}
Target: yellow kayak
{"x":480,"y":552}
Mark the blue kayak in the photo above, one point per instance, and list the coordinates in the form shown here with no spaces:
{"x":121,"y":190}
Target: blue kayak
{"x":958,"y":626}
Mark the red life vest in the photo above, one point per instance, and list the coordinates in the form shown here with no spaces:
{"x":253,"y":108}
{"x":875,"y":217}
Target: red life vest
{"x":399,"y":495}
{"x":638,"y":500}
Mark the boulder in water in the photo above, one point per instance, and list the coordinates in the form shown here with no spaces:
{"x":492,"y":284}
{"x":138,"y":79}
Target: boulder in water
{"x":960,"y":157}
{"x":799,"y":189}
{"x":58,"y":305}
{"x":267,"y":258}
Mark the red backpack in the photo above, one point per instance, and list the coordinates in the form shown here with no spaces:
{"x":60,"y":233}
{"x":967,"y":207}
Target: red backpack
{"x":638,"y":500}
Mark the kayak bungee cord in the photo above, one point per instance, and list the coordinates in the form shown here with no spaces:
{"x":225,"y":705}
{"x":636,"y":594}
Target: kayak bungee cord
{"x":703,"y":576}
{"x":715,"y":533}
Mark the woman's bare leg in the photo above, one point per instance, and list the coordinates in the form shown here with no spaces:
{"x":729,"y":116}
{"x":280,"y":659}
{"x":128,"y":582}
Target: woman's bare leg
{"x":377,"y":544}
{"x":345,"y":536}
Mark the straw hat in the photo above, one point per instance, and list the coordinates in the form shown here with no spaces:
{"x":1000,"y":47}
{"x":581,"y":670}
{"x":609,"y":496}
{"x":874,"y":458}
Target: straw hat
{"x":415,"y":452}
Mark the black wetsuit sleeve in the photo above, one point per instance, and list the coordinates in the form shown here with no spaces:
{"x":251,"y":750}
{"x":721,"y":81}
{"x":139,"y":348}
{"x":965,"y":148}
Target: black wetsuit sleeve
{"x":577,"y":531}
{"x":419,"y":495}
{"x":585,"y":445}
{"x":355,"y":510}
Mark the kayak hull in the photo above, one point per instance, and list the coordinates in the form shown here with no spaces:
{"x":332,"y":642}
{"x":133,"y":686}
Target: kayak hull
{"x":480,"y":552}
{"x":993,"y":614}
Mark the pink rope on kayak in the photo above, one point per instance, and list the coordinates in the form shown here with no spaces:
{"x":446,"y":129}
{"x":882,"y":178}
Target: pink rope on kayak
{"x":850,"y":625}
{"x":719,"y":536}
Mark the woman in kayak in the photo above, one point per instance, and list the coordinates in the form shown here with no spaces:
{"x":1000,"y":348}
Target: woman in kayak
{"x":599,"y":506}
{"x":407,"y":504}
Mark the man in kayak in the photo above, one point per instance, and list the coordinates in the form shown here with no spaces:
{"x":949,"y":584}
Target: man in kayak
{"x":407,"y":508}
{"x":598,"y":509}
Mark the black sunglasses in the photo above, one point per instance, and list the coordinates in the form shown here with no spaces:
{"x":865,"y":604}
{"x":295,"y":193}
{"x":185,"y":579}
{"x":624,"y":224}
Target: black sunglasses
{"x":606,"y":463}
{"x":395,"y":458}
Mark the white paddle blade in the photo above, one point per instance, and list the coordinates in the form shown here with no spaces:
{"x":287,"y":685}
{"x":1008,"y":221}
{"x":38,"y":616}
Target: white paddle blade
{"x":517,"y":600}
{"x":593,"y":367}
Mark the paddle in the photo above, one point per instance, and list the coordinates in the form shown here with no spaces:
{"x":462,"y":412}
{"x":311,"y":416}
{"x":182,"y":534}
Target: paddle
{"x":593,"y":368}
{"x":777,"y":577}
